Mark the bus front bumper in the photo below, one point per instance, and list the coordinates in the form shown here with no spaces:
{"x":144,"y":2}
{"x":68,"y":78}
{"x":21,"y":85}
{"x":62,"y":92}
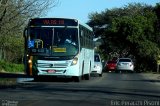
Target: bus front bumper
{"x":59,"y":72}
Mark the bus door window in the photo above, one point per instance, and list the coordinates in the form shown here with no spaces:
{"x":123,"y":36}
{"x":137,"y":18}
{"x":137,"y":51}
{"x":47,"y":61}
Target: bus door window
{"x":40,"y":38}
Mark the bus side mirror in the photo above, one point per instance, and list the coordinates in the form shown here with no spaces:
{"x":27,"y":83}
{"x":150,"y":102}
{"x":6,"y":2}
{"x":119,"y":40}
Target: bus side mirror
{"x":82,"y":33}
{"x":103,"y":61}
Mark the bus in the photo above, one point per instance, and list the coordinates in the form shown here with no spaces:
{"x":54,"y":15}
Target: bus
{"x":60,"y":47}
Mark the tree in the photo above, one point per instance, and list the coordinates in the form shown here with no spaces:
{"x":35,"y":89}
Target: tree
{"x":130,"y":31}
{"x":14,"y":15}
{"x":157,"y":27}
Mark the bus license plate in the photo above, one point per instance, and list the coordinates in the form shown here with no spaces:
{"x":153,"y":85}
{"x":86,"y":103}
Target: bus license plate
{"x":51,"y":71}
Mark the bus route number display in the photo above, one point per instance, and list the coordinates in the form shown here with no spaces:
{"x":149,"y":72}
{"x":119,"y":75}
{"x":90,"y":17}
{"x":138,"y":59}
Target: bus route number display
{"x":52,"y":22}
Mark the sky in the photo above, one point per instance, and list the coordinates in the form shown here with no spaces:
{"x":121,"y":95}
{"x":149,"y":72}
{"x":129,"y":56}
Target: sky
{"x":80,"y":9}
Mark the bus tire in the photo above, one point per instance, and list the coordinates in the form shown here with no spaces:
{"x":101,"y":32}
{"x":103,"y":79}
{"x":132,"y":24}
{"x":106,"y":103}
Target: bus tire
{"x":82,"y":76}
{"x":77,"y":78}
{"x":100,"y":75}
{"x":36,"y":78}
{"x":87,"y":76}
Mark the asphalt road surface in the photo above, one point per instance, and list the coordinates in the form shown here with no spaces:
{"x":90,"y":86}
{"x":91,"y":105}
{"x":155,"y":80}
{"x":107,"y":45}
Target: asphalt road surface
{"x":112,"y":89}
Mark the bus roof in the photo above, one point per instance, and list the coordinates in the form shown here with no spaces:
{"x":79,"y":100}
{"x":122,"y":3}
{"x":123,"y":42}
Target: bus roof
{"x":85,"y":25}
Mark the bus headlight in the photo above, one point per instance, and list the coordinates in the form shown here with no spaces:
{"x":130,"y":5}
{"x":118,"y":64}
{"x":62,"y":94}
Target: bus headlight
{"x":75,"y":60}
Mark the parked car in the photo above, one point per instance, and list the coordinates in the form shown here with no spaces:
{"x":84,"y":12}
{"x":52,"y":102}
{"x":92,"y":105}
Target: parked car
{"x":125,"y":64}
{"x":97,"y":65}
{"x":110,"y":66}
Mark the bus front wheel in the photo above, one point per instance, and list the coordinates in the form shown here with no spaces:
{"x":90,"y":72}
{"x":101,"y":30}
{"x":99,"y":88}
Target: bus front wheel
{"x":77,"y":78}
{"x":87,"y":76}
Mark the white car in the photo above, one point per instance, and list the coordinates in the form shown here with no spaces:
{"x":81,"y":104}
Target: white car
{"x":97,"y":65}
{"x":125,"y":64}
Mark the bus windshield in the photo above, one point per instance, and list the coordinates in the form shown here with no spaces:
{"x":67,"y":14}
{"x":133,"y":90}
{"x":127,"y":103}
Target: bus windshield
{"x":53,"y":41}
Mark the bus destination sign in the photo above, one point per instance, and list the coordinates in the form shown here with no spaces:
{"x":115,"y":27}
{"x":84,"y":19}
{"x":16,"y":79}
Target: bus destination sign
{"x":53,"y":22}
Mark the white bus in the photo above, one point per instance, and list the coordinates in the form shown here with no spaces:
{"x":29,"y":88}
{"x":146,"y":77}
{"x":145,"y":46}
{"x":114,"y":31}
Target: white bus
{"x":59,"y":47}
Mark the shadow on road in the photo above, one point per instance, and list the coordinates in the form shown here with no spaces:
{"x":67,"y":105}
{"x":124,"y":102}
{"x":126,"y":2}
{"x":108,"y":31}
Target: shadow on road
{"x":52,"y":79}
{"x":147,"y":80}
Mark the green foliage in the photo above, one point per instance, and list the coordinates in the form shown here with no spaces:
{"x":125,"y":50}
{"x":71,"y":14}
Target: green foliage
{"x":131,"y":31}
{"x":148,"y":49}
{"x":14,"y":15}
{"x":11,"y":67}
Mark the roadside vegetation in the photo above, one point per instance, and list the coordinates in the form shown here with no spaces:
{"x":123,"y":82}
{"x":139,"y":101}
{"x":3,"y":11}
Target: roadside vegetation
{"x":130,"y":31}
{"x":14,"y":16}
{"x":11,"y":67}
{"x":8,"y":67}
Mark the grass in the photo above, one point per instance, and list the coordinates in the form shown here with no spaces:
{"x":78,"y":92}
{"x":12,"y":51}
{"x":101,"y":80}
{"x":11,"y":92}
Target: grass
{"x":11,"y":67}
{"x":8,"y":67}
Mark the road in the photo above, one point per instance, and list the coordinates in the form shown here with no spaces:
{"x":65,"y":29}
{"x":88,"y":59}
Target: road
{"x":113,"y":89}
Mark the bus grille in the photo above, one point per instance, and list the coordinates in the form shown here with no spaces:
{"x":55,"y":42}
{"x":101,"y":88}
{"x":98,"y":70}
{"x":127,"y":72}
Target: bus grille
{"x":60,"y":64}
{"x":41,"y":65}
